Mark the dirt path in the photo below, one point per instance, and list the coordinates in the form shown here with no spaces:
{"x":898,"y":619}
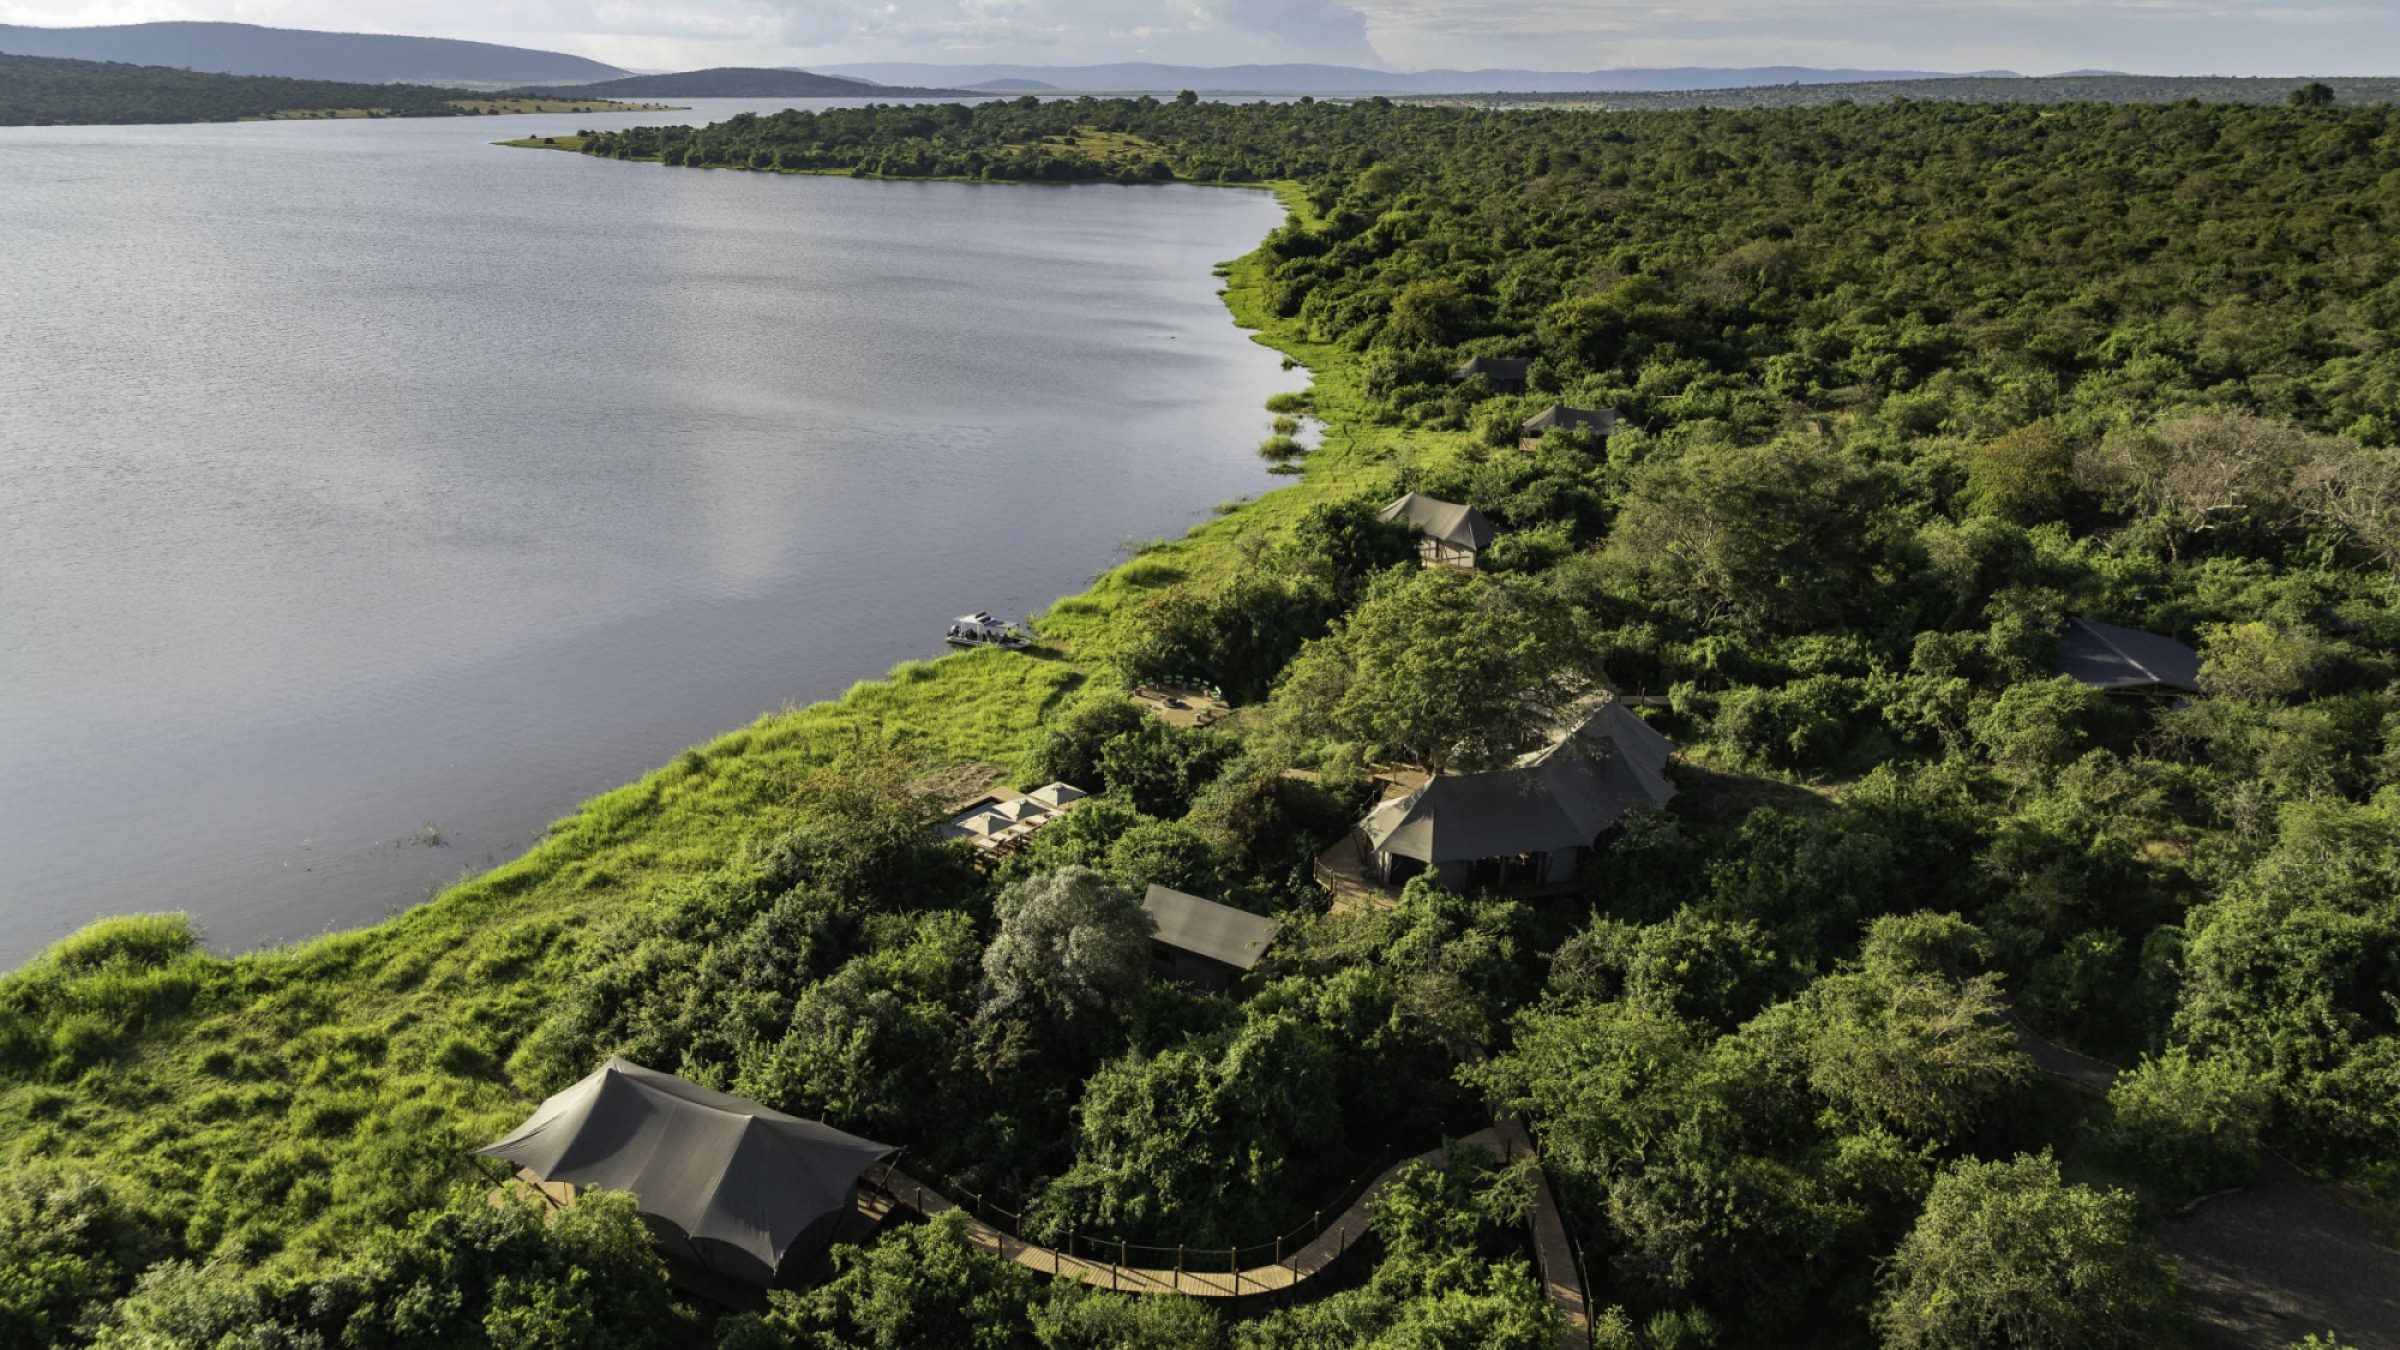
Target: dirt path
{"x":2272,"y":1262}
{"x":2282,"y":1257}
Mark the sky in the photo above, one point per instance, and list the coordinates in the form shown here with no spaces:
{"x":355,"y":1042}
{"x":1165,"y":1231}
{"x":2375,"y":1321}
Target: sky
{"x":2168,"y":37}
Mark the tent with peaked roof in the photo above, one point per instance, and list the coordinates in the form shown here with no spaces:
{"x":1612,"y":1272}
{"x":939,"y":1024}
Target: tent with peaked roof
{"x":1446,"y":531}
{"x":1601,"y":422}
{"x":725,"y":1183}
{"x":2126,"y":660}
{"x":1531,"y":823}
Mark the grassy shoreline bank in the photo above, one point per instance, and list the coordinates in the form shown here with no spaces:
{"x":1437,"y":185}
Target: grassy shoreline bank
{"x":287,"y":1097}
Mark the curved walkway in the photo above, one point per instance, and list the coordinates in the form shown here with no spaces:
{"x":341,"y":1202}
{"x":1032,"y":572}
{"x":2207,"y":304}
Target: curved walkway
{"x":901,"y":1189}
{"x":1561,"y":1281}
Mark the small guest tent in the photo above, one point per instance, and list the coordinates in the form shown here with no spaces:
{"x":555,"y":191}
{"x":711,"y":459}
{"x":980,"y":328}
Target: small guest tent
{"x":724,"y":1183}
{"x":1601,"y":422}
{"x":1506,"y":374}
{"x":1448,"y":533}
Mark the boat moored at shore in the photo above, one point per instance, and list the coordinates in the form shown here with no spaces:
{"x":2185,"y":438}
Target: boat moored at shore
{"x":982,"y":630}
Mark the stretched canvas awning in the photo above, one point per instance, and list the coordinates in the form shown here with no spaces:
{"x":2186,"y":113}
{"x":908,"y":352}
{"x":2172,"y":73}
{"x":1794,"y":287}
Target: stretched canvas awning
{"x":1500,"y":369}
{"x":1233,"y":937}
{"x":2105,"y":656}
{"x":728,"y":1184}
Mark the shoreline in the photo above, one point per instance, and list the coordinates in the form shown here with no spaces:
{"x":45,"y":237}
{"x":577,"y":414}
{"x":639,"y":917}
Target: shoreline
{"x":917,"y":701}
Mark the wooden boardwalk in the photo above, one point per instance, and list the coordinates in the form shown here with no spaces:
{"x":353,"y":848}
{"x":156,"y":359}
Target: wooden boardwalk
{"x":1562,"y":1279}
{"x":1296,"y":1268}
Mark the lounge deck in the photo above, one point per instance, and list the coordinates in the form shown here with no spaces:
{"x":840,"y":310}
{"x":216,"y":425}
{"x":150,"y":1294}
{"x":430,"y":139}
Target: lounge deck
{"x":1183,"y":705}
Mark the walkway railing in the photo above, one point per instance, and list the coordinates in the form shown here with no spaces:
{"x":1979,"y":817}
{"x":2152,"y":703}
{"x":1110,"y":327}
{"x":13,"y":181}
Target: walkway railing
{"x":1284,"y":1262}
{"x":1114,"y":1263}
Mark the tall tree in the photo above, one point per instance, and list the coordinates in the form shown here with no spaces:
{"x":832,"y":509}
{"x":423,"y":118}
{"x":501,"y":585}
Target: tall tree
{"x":1071,"y":944}
{"x":1441,"y":668}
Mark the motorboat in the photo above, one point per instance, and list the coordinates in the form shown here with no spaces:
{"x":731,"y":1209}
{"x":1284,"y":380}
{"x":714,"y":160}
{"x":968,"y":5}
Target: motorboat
{"x":982,"y":630}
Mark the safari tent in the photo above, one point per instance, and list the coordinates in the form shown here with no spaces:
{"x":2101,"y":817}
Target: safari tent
{"x":1529,"y":825}
{"x":724,"y":1183}
{"x":1202,"y":942}
{"x":1448,"y":534}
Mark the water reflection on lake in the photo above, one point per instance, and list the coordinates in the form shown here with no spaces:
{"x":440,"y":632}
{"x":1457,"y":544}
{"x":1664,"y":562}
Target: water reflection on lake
{"x":364,"y":476}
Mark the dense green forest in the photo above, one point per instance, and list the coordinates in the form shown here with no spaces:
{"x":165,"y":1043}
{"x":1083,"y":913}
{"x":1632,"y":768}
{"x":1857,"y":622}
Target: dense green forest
{"x":2098,"y":87}
{"x":1903,"y":388}
{"x":45,"y":91}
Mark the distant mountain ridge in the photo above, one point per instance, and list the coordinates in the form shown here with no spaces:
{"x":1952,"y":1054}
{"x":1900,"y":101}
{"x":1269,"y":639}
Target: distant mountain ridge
{"x":738,"y":82}
{"x":304,"y":54}
{"x":1139,"y":76}
{"x":44,"y":91}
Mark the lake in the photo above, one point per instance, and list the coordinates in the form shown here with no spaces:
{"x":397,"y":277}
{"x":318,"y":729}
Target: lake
{"x":366,"y":482}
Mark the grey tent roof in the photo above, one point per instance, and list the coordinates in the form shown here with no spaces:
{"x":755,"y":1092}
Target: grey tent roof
{"x":1188,"y":923}
{"x":1602,"y":420}
{"x":2105,"y":656}
{"x":1501,"y":368}
{"x":1562,"y":796}
{"x":734,"y":1184}
{"x":1451,"y":523}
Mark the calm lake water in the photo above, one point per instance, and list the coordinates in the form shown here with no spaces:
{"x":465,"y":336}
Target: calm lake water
{"x":362,"y":477}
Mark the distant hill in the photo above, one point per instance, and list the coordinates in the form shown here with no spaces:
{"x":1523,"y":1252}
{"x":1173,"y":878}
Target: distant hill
{"x":53,"y":91}
{"x":1137,"y":77}
{"x":2100,"y":87}
{"x":738,"y":82}
{"x":365,"y":58}
{"x":1014,"y":87}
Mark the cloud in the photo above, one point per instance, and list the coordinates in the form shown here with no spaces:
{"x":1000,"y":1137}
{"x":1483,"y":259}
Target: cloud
{"x":1315,"y":30}
{"x":1094,"y":30}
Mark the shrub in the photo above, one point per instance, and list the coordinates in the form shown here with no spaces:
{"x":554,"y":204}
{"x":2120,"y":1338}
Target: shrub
{"x":1071,"y":752}
{"x":2189,"y":1125}
{"x":2007,"y":1254}
{"x":68,"y":1241}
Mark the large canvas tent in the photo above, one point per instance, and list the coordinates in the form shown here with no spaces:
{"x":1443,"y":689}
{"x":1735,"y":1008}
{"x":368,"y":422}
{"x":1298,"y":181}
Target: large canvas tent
{"x":1529,"y":824}
{"x":725,"y":1183}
